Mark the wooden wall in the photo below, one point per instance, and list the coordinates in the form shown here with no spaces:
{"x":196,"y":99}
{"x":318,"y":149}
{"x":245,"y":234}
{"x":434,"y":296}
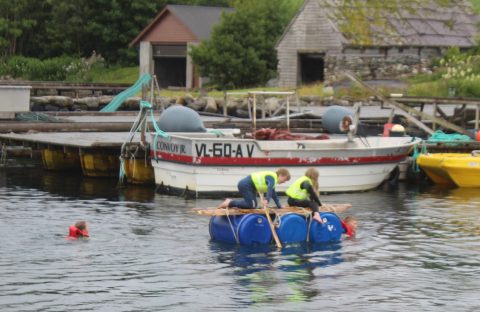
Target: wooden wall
{"x":312,"y":32}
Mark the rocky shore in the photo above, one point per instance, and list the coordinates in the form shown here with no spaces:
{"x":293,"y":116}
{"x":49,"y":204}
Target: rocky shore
{"x":234,"y":106}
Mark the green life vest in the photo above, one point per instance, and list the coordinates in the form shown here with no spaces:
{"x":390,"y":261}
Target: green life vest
{"x":296,"y":192}
{"x":258,"y":179}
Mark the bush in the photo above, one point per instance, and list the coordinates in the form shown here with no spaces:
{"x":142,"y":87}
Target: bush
{"x":53,"y":69}
{"x":456,"y":71}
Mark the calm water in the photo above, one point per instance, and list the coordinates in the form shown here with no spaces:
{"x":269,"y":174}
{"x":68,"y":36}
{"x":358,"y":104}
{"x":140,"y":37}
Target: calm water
{"x":417,"y":249}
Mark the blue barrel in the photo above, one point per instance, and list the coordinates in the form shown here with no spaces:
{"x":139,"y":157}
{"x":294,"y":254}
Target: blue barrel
{"x":292,"y":229}
{"x":329,"y":232}
{"x":333,"y":116}
{"x":250,"y":229}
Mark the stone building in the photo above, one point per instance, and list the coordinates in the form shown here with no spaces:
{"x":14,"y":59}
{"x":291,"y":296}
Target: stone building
{"x":374,"y":39}
{"x":165,"y":42}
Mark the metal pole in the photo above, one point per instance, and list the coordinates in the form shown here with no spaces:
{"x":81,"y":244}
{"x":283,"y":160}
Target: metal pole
{"x":263,"y":108}
{"x":254,"y":113}
{"x":225,"y":102}
{"x":288,"y":112}
{"x":477,"y":116}
{"x":152,"y":91}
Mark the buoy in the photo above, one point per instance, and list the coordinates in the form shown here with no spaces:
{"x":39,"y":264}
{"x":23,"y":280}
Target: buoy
{"x":397,"y":131}
{"x":336,"y":117}
{"x":178,"y":118}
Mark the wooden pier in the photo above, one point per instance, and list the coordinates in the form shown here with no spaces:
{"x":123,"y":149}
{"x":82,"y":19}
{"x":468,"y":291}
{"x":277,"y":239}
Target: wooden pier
{"x":92,"y":141}
{"x":96,"y":154}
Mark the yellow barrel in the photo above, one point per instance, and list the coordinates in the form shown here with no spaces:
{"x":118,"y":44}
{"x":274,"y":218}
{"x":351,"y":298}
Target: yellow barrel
{"x":60,"y":159}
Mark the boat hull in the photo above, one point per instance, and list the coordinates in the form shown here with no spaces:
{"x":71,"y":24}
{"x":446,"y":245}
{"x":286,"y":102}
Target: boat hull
{"x":462,"y":170}
{"x":214,"y":165}
{"x":431,"y":164}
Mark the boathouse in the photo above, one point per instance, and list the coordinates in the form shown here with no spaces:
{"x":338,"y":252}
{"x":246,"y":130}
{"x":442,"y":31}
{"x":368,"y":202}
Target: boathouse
{"x":165,"y":42}
{"x":373,"y":39}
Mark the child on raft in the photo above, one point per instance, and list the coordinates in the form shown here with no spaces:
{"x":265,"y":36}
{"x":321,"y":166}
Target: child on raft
{"x":304,"y":193}
{"x":258,"y":182}
{"x":78,"y":230}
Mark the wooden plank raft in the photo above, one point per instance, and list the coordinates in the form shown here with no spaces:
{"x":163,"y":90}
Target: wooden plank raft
{"x":336,"y":208}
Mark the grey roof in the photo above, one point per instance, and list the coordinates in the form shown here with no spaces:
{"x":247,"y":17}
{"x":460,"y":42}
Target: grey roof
{"x":200,"y":19}
{"x":403,"y":22}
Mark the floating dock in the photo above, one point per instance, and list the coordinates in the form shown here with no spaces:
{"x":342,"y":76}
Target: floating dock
{"x":96,"y":154}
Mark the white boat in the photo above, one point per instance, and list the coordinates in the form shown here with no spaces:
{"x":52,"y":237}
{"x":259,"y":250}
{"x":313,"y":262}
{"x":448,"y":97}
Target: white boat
{"x":206,"y":163}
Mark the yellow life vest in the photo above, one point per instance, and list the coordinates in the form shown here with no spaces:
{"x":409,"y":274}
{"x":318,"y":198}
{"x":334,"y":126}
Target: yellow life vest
{"x":296,"y":192}
{"x":258,"y":179}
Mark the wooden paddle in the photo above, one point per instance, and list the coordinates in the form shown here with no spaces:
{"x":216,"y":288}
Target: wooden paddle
{"x":272,"y":227}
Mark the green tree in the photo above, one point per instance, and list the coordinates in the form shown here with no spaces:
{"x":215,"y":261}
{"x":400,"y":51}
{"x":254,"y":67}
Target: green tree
{"x":79,"y":27}
{"x":15,"y":21}
{"x":240,"y":52}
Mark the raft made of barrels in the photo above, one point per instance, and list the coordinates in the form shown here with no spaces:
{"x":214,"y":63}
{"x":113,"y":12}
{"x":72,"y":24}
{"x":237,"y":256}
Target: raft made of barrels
{"x":251,"y":229}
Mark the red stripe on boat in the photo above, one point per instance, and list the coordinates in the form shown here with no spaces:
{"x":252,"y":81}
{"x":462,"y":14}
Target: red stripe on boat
{"x":252,"y":161}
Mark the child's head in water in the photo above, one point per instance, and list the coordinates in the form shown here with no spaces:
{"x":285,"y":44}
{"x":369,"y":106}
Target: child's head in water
{"x":79,"y":230}
{"x":351,"y":223}
{"x":82,"y":226}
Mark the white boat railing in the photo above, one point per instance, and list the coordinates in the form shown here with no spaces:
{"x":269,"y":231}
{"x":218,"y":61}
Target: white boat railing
{"x":252,"y":110}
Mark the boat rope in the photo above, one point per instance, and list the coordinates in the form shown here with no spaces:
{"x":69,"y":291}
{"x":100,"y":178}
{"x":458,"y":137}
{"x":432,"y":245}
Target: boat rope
{"x":3,"y":155}
{"x":277,"y":221}
{"x":309,"y":218}
{"x":450,"y":139}
{"x":121,"y":173}
{"x":217,"y":132}
{"x":158,"y":131}
{"x":132,"y":158}
{"x":147,"y":105}
{"x":416,"y":154}
{"x":364,"y":140}
{"x":231,"y":226}
{"x":139,"y":123}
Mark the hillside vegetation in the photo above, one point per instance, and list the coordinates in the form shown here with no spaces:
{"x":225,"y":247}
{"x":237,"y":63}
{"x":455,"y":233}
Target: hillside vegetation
{"x":53,"y":40}
{"x":476,"y":5}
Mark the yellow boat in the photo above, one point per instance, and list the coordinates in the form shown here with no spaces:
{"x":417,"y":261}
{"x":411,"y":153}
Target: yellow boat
{"x":452,"y":169}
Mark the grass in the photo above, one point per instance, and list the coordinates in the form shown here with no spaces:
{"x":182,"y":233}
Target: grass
{"x":115,"y":75}
{"x":431,"y":88}
{"x":476,"y":5}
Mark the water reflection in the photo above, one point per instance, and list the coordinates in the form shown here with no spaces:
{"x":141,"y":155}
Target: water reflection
{"x":269,"y":275}
{"x":416,"y":247}
{"x":465,"y":195}
{"x":74,"y":184}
